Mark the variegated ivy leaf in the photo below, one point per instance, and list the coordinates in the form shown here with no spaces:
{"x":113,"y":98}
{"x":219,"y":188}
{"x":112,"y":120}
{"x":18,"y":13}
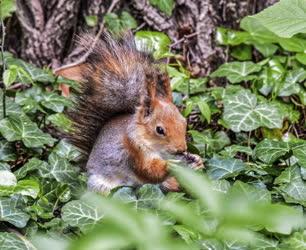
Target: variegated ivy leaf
{"x":12,"y":241}
{"x":291,"y":85}
{"x":67,"y":151}
{"x":7,"y":179}
{"x":7,"y":151}
{"x":237,"y":72}
{"x":79,"y":214}
{"x":299,"y":151}
{"x":9,"y":212}
{"x":294,"y":191}
{"x":219,"y":168}
{"x":242,"y":113}
{"x":59,"y":169}
{"x":15,"y":128}
{"x":269,"y":151}
{"x":11,"y":107}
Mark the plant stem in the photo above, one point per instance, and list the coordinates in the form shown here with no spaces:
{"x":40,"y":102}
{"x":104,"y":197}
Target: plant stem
{"x":3,"y":65}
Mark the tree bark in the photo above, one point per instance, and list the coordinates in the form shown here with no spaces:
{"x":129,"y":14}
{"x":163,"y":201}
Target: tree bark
{"x":48,"y":27}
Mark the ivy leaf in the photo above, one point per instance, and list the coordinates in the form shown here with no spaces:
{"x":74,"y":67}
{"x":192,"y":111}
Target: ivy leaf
{"x":269,"y":151}
{"x":242,"y":113}
{"x":117,"y":24}
{"x":296,"y":241}
{"x":10,"y":213}
{"x":91,"y":20}
{"x":55,"y":102}
{"x":7,"y":7}
{"x":12,"y":241}
{"x":158,"y":42}
{"x":149,"y":196}
{"x":23,"y":187}
{"x":295,"y":190}
{"x":11,"y":107}
{"x":15,"y":128}
{"x":299,"y":151}
{"x":285,"y":18}
{"x":79,"y":214}
{"x":31,"y":165}
{"x":59,"y":169}
{"x":165,"y":6}
{"x":60,"y":121}
{"x":237,"y":72}
{"x":7,"y":151}
{"x":291,"y":85}
{"x":219,"y":168}
{"x":28,"y":73}
{"x":251,"y":193}
{"x":7,"y":179}
{"x":65,"y":150}
{"x":9,"y":76}
{"x":126,"y":195}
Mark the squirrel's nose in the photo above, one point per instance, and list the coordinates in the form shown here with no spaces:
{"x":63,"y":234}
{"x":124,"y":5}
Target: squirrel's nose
{"x":181,"y":149}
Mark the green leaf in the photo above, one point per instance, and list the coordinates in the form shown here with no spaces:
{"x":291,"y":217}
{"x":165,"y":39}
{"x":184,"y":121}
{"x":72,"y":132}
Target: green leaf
{"x":7,"y":7}
{"x":91,"y":20}
{"x":65,"y":150}
{"x":28,"y":73}
{"x":9,"y":76}
{"x":23,"y":187}
{"x":12,"y":241}
{"x":7,"y":151}
{"x":299,"y":151}
{"x":232,"y":150}
{"x":266,"y":49}
{"x":259,"y":33}
{"x":7,"y":178}
{"x":165,"y":6}
{"x":158,"y":42}
{"x":237,"y":72}
{"x":251,"y":193}
{"x":269,"y":151}
{"x":301,"y":57}
{"x":205,"y":110}
{"x":242,"y":113}
{"x":296,"y":241}
{"x":149,"y":196}
{"x":128,"y":21}
{"x":242,"y":52}
{"x":295,"y":190}
{"x":55,"y":102}
{"x":291,"y":85}
{"x":61,"y":122}
{"x":15,"y":128}
{"x":79,"y":214}
{"x":59,"y":169}
{"x":285,"y":18}
{"x":117,"y":24}
{"x":31,"y":165}
{"x":219,"y":168}
{"x":11,"y":107}
{"x":9,"y":212}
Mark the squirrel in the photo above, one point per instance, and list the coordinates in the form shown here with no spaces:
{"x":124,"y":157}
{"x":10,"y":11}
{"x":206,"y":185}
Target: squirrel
{"x":124,"y":119}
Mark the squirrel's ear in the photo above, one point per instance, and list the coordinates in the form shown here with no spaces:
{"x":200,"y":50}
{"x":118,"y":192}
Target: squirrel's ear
{"x":148,"y":96}
{"x":72,"y":71}
{"x":164,"y":87}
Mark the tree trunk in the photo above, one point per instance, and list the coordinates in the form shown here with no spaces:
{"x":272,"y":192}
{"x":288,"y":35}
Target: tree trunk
{"x":48,"y":27}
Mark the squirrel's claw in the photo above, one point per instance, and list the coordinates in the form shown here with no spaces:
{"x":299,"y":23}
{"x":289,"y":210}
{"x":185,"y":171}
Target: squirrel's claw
{"x":194,"y":161}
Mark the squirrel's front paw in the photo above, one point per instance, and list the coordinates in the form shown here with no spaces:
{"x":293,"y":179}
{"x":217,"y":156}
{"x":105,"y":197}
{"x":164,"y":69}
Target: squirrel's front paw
{"x":194,"y":161}
{"x":170,"y":185}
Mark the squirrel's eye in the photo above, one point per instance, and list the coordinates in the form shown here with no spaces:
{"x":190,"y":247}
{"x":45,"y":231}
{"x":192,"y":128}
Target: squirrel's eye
{"x":160,"y":130}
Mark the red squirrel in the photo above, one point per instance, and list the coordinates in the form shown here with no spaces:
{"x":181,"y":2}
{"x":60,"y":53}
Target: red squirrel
{"x":124,"y":119}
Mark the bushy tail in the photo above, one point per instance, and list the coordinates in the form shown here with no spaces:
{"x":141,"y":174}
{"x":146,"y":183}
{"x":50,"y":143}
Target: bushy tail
{"x":111,"y":82}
